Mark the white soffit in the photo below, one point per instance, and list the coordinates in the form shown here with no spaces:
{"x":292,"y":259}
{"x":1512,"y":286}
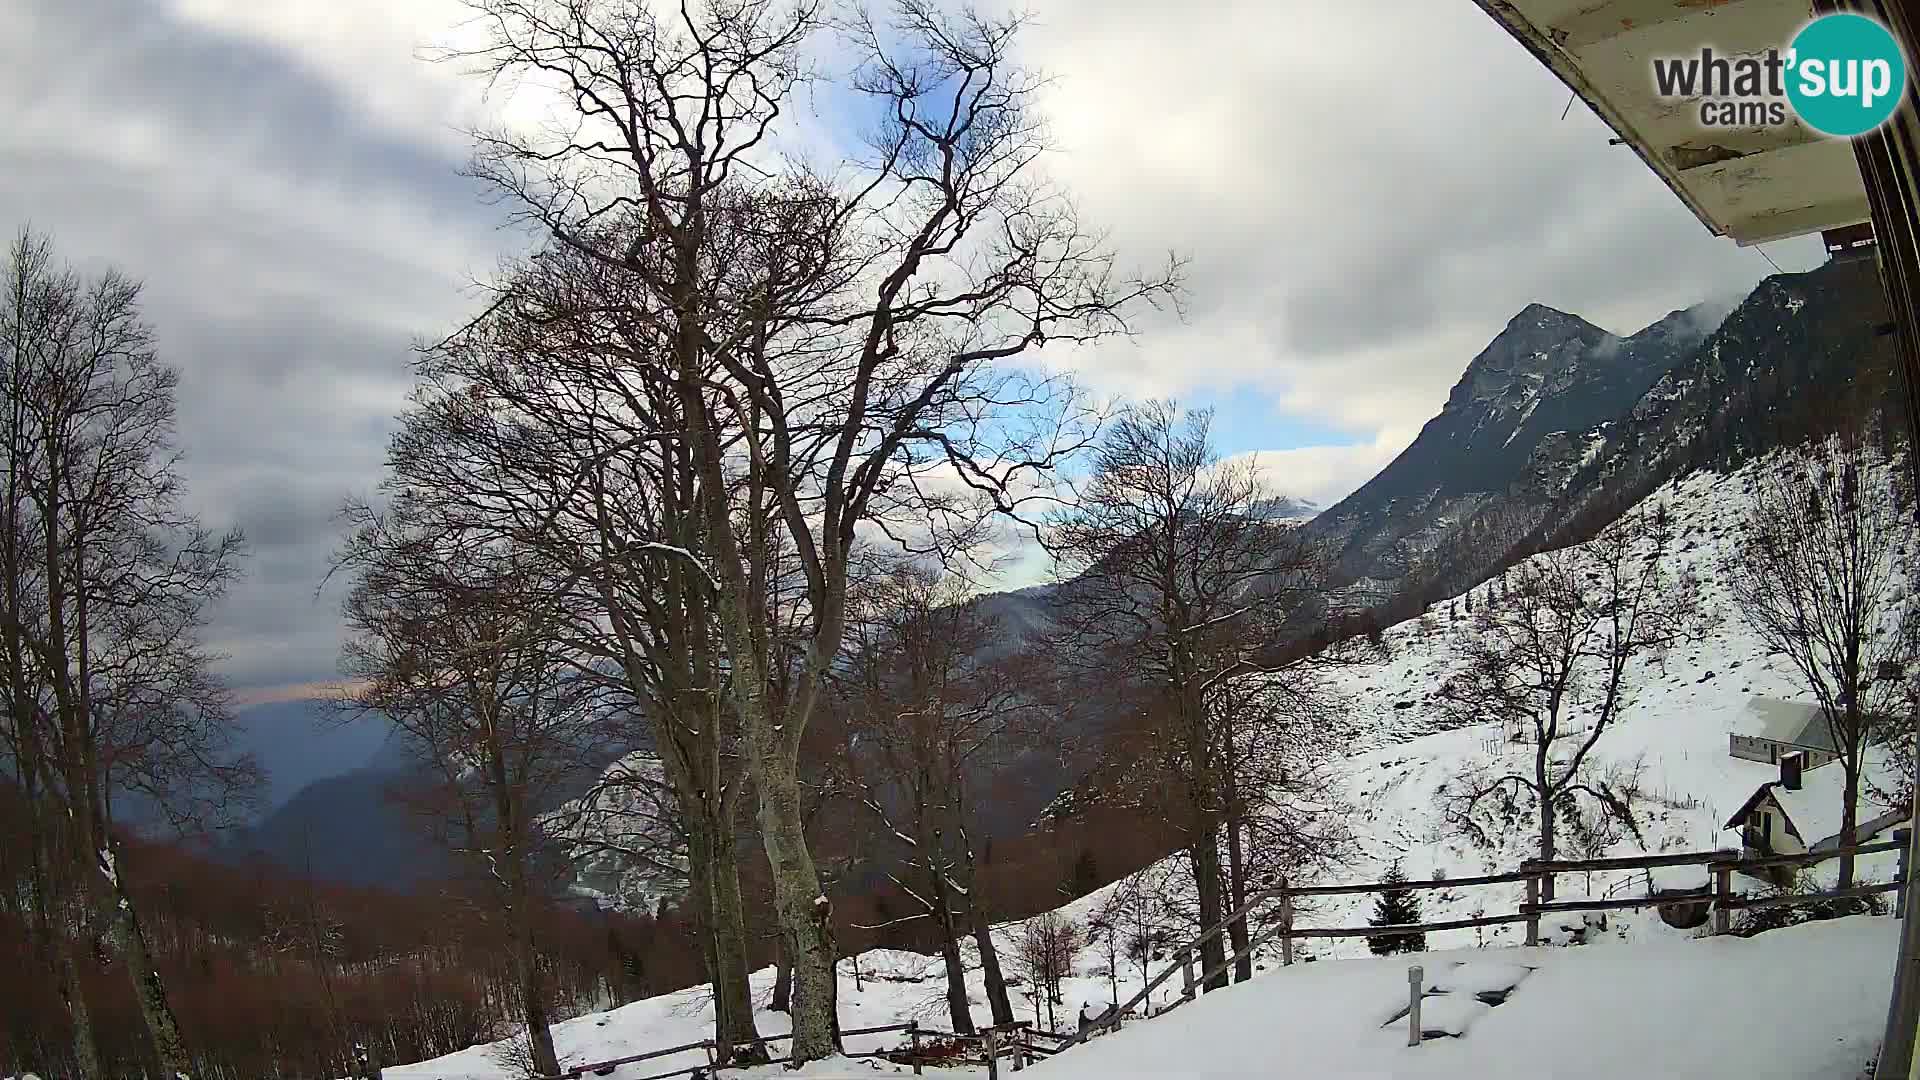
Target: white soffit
{"x":1753,"y":184}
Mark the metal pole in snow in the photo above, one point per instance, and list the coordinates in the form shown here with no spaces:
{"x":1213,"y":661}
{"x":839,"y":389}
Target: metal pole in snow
{"x":1416,"y":980}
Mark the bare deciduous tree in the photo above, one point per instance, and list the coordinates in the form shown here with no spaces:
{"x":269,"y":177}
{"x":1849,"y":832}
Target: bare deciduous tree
{"x":1284,"y":815}
{"x":833,"y":338}
{"x":456,"y":643}
{"x":1552,"y":662}
{"x":1817,"y":572}
{"x":933,"y":702}
{"x":1046,"y":948}
{"x":1171,"y":573}
{"x":107,"y":581}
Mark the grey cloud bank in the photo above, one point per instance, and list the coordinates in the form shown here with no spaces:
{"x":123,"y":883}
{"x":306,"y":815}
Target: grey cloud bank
{"x":1367,"y":193}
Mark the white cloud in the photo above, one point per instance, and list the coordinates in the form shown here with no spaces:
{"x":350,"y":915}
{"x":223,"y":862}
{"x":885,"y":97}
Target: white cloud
{"x":1367,"y":193}
{"x":1323,"y":475}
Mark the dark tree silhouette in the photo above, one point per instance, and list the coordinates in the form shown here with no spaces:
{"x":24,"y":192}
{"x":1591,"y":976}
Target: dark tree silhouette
{"x":1396,"y":907}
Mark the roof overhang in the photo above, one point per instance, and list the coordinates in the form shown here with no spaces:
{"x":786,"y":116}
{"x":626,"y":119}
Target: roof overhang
{"x":1753,"y":184}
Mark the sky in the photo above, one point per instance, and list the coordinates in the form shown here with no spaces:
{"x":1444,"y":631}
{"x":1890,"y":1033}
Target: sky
{"x":1366,"y":193}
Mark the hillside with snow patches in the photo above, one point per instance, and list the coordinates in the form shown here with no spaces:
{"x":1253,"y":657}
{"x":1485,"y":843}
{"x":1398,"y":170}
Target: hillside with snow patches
{"x":1675,"y":731}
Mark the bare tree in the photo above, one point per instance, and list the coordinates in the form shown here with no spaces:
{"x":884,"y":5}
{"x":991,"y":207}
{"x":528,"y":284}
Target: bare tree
{"x":1284,"y":817}
{"x":854,"y":318}
{"x":626,"y":831}
{"x":548,"y":424}
{"x":1046,"y":949}
{"x":456,"y":644}
{"x":934,"y":702}
{"x":1552,"y":661}
{"x":1817,"y":572}
{"x":107,"y":581}
{"x":1170,"y":573}
{"x":1141,"y":917}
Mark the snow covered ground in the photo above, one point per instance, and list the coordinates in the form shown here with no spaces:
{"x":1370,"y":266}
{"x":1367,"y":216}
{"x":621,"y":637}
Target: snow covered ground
{"x":1805,"y":1003}
{"x":1643,"y":1000}
{"x":893,"y":987}
{"x":1675,"y":732}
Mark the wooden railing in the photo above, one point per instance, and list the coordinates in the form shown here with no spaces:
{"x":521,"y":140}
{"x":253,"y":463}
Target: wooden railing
{"x":1023,"y":1043}
{"x":711,"y":1065}
{"x":1019,"y":1042}
{"x":1721,"y":863}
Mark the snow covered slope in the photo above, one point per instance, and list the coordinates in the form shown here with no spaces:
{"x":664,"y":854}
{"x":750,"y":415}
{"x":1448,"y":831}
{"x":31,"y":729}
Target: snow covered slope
{"x":1804,"y":1003}
{"x":1674,"y":732}
{"x":1402,"y":756}
{"x":892,"y":988}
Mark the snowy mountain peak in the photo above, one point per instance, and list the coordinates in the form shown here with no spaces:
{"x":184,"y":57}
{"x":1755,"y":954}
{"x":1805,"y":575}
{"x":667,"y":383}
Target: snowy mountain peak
{"x":1284,"y":508}
{"x":1540,"y":316}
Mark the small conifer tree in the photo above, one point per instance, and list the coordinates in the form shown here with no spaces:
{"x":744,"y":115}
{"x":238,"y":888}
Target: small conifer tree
{"x":1396,"y":907}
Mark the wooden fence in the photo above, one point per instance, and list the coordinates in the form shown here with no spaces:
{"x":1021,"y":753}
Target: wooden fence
{"x":709,"y":1047}
{"x":1722,"y":864}
{"x":1022,"y":1043}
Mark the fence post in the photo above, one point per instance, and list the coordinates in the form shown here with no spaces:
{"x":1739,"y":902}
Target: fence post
{"x":913,"y":1032}
{"x":1286,"y":923}
{"x":712,"y":1058}
{"x":1722,"y":895}
{"x":1416,"y":981}
{"x":993,"y":1054}
{"x":1900,"y":894}
{"x":1186,"y":974}
{"x":1533,"y":913}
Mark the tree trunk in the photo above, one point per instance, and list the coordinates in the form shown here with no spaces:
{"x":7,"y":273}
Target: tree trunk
{"x":1544,"y":793}
{"x":1546,"y":847}
{"x":130,"y":942}
{"x":700,"y":902}
{"x":539,"y":1018}
{"x":1237,"y":898}
{"x":732,"y":993}
{"x":86,"y":1051}
{"x":782,"y":979}
{"x":801,"y":908}
{"x":1849,"y":817}
{"x":1205,"y":856}
{"x":959,"y":1011}
{"x":989,"y":962}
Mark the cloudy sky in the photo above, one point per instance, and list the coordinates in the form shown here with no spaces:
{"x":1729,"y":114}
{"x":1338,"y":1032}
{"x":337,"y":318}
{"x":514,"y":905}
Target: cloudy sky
{"x":1367,"y":192}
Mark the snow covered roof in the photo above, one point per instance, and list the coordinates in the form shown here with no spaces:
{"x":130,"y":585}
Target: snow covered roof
{"x":1813,"y":811}
{"x":1796,"y":723}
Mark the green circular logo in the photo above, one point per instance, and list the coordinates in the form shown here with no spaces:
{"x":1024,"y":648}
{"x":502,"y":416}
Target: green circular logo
{"x":1846,"y":75}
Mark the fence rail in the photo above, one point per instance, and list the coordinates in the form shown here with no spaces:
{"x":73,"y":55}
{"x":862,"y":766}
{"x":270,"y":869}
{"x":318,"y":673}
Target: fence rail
{"x":1417,"y":886}
{"x":914,"y":1030}
{"x":1024,"y":1043}
{"x":1721,"y":863}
